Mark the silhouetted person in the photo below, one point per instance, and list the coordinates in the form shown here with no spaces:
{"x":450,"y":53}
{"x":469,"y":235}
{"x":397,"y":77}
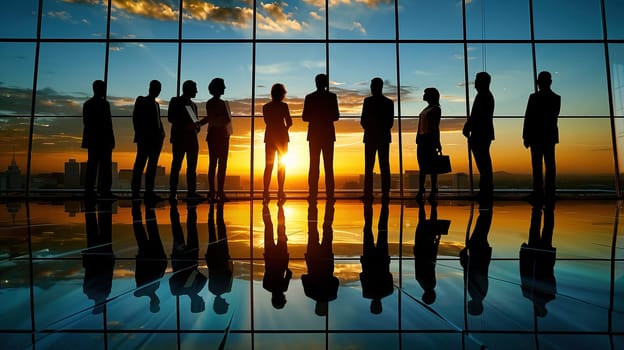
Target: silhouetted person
{"x":377,"y":120}
{"x":537,"y":261}
{"x":541,"y":134}
{"x":319,"y":283}
{"x":426,"y":242}
{"x":186,"y":278}
{"x":475,"y":259}
{"x":375,"y":277}
{"x":151,"y":259}
{"x":184,"y":129}
{"x":278,"y":121}
{"x":148,"y":136}
{"x":98,"y":259}
{"x":220,"y":266}
{"x":428,"y":143}
{"x":99,"y":140}
{"x":479,"y":129}
{"x":277,"y":275}
{"x":219,"y":120}
{"x":320,"y":110}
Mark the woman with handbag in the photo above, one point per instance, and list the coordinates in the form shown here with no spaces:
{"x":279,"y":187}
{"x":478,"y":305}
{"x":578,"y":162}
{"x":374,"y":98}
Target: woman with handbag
{"x":428,"y":143}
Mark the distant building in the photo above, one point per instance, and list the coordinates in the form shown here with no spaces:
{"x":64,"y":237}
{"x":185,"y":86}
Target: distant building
{"x":12,"y":179}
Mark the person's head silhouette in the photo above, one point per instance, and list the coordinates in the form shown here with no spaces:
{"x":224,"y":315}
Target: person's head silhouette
{"x":278,"y":300}
{"x":429,"y":296}
{"x":544,"y":79}
{"x":154,"y":88}
{"x":220,"y":305}
{"x":189,"y":89}
{"x":322,"y":82}
{"x":99,"y":88}
{"x":482,"y":81}
{"x":376,"y":86}
{"x":432,"y":96}
{"x":278,"y":91}
{"x":216,"y":87}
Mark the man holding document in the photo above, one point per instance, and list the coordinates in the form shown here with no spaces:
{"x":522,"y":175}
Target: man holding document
{"x":184,"y":129}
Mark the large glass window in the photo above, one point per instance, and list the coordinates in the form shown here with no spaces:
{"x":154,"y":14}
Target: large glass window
{"x":412,"y":46}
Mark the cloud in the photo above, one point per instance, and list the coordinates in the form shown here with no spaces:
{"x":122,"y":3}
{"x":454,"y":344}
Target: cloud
{"x":148,"y":8}
{"x":61,"y":15}
{"x":315,"y":16}
{"x":357,"y":26}
{"x":276,"y":20}
{"x":370,"y":3}
{"x":235,"y":16}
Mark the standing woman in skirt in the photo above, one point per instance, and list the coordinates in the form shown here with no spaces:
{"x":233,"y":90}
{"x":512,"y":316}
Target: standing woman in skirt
{"x":428,"y":143}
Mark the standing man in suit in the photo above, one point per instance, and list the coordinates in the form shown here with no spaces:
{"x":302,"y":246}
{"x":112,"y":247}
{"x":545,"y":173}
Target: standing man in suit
{"x":479,"y":129}
{"x":320,"y":110}
{"x":148,"y":135}
{"x":377,"y":120}
{"x":184,"y":129}
{"x":99,"y":140}
{"x":541,"y":134}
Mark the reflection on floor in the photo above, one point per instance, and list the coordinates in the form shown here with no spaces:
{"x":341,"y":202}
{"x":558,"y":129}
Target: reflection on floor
{"x":347,"y":275}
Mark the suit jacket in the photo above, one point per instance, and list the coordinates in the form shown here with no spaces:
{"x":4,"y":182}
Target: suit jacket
{"x":98,"y":124}
{"x":540,"y":119}
{"x":377,"y":119}
{"x":481,"y":120}
{"x":182,"y":126}
{"x":146,"y":120}
{"x":320,"y":109}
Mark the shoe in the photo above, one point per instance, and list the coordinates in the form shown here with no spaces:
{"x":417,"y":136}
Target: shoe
{"x":221,"y":198}
{"x":419,"y":196}
{"x":433,"y":196}
{"x":152,"y":197}
{"x":266,"y":197}
{"x":194,"y":196}
{"x":108,"y":196}
{"x":173,"y":198}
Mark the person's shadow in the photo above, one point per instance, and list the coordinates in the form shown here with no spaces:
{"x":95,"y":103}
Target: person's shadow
{"x":475,"y":260}
{"x":376,"y":278}
{"x":319,"y":283}
{"x":426,"y":242}
{"x":186,"y":279}
{"x":277,"y":275}
{"x":151,"y":259}
{"x":98,"y":259}
{"x":537,"y":261}
{"x":220,"y":266}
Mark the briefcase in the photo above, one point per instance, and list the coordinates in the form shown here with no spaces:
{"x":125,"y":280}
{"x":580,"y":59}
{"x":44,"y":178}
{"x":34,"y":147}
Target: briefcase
{"x":442,"y":164}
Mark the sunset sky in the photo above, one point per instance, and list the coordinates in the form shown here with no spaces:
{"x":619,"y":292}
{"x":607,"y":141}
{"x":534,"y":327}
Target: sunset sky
{"x":217,"y":41}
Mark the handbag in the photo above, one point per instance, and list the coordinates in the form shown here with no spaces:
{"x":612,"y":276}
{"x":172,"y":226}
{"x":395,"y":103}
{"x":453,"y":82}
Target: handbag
{"x":442,"y":164}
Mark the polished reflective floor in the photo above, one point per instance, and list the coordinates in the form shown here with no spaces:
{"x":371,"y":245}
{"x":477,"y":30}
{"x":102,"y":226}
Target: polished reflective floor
{"x":110,"y":275}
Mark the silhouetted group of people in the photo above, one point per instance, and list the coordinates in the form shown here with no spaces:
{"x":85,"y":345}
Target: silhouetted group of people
{"x":320,"y":111}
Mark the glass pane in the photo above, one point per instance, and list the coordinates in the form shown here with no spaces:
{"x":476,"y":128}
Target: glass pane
{"x":56,"y":141}
{"x":302,"y":19}
{"x":491,"y":19}
{"x":615,"y":26}
{"x":432,"y":65}
{"x":294,"y":65}
{"x":220,"y":19}
{"x":430,"y":19}
{"x":14,"y":155}
{"x":616,"y":52}
{"x":17,"y":75}
{"x":232,"y":63}
{"x":361,"y":20}
{"x":74,"y":19}
{"x":574,"y":20}
{"x":578,"y":76}
{"x":63,"y":85}
{"x":142,"y":62}
{"x":156,"y":19}
{"x":19,"y":18}
{"x":510,"y":67}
